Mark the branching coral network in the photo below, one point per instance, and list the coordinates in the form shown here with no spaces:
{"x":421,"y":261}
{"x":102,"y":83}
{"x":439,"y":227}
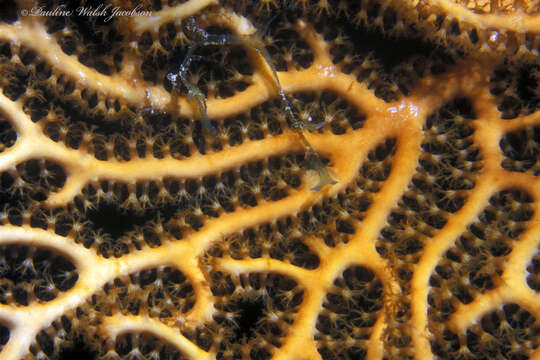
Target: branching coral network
{"x":158,"y":174}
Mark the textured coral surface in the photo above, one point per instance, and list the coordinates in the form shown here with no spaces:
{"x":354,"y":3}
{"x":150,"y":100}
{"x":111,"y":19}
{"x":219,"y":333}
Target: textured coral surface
{"x":323,"y":179}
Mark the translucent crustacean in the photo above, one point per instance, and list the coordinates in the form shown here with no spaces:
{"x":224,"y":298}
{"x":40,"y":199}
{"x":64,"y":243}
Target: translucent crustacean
{"x":201,"y":38}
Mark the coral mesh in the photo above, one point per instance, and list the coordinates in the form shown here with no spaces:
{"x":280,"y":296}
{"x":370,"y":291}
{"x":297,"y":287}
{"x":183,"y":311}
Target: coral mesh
{"x":130,"y":230}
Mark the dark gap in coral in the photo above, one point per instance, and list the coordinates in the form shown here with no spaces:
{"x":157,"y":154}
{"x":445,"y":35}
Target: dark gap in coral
{"x":8,"y":136}
{"x":9,"y":11}
{"x":4,"y":334}
{"x":250,"y":312}
{"x":79,"y":350}
{"x":521,"y":150}
{"x":76,"y":114}
{"x":117,"y":221}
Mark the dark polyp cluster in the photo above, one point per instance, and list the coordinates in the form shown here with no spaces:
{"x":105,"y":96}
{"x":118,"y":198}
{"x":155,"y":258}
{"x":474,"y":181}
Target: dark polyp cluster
{"x":516,"y":89}
{"x":510,"y":332}
{"x":30,"y":274}
{"x":473,"y":266}
{"x":253,"y":309}
{"x":521,"y":149}
{"x":160,"y":292}
{"x":8,"y":136}
{"x":349,"y":313}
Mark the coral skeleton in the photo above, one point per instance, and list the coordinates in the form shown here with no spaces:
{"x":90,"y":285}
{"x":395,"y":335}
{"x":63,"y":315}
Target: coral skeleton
{"x":284,"y":180}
